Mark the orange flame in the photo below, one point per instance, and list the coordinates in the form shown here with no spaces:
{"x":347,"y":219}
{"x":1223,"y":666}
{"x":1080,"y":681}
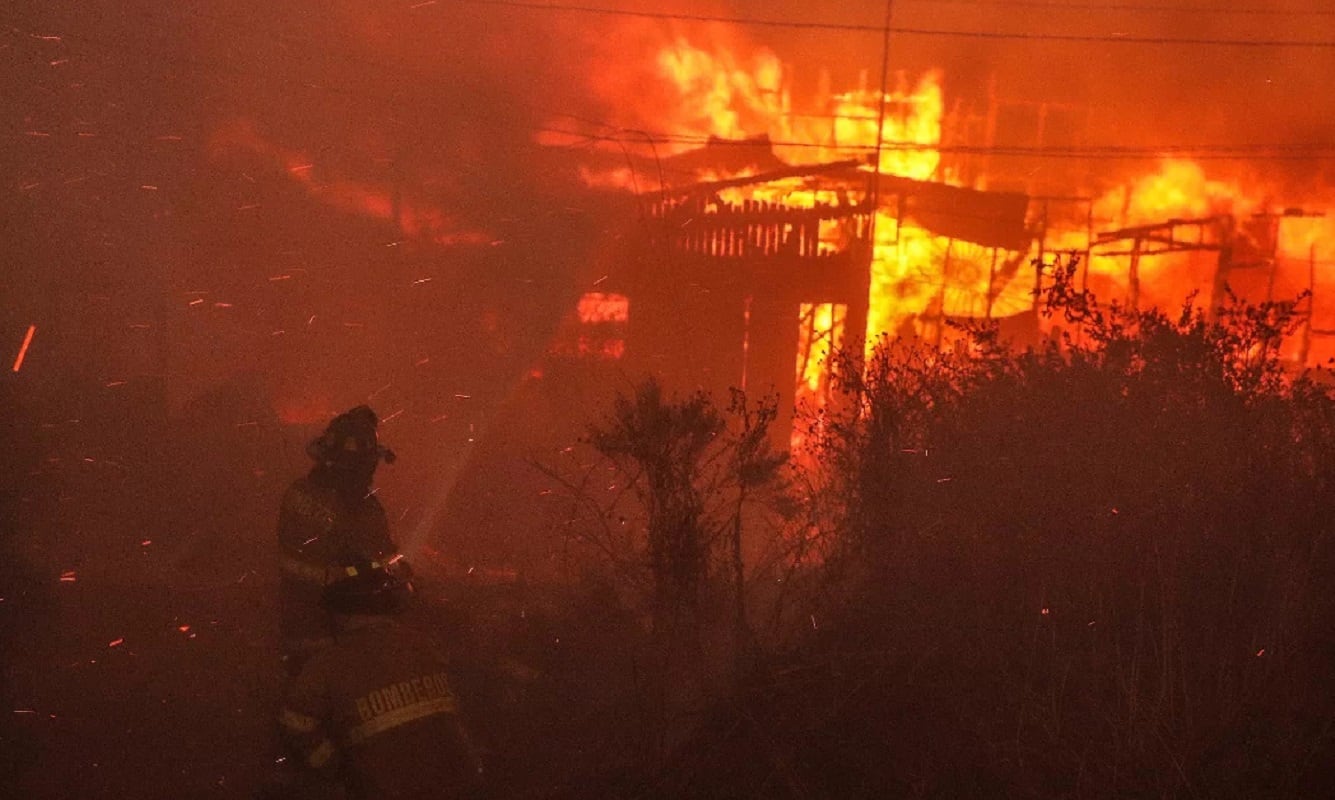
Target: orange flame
{"x":1181,"y":190}
{"x":918,"y":279}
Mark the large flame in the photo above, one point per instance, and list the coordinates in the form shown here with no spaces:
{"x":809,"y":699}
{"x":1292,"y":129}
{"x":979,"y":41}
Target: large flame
{"x":1276,"y":249}
{"x":918,"y":279}
{"x":908,"y":121}
{"x":717,"y":93}
{"x":721,"y":95}
{"x":727,"y":96}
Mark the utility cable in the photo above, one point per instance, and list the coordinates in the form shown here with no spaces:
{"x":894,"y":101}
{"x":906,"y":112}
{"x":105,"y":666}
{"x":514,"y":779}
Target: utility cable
{"x":911,"y":31}
{"x":616,"y":134}
{"x":1049,"y":5}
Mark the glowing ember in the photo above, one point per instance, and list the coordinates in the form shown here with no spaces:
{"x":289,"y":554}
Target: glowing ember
{"x":23,"y":348}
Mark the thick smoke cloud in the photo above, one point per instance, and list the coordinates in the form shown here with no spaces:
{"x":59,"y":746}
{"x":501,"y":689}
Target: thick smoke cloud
{"x":1138,"y":94}
{"x":459,"y":90}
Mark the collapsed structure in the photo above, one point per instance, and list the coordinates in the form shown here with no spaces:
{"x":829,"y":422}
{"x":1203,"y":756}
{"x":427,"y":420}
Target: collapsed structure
{"x":752,"y":279}
{"x":731,"y":290}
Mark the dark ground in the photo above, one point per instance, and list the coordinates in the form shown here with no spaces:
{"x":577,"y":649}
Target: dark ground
{"x":151,"y":670}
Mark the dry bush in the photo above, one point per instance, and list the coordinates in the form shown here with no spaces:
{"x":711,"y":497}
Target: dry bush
{"x":1096,"y":568}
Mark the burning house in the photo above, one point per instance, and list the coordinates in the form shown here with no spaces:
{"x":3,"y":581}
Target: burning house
{"x":755,"y":254}
{"x":751,"y":281}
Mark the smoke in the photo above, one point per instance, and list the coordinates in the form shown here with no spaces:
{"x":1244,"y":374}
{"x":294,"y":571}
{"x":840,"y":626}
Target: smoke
{"x":1135,"y":93}
{"x":462,"y":91}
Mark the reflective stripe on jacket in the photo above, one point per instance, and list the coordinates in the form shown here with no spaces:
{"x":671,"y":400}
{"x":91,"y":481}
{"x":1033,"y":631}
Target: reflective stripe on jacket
{"x":377,"y":703}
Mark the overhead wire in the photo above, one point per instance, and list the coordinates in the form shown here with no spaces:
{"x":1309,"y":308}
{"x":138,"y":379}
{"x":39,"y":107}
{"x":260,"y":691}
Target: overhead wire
{"x":1222,"y":152}
{"x":617,"y":134}
{"x":908,"y":30}
{"x":1291,"y":150}
{"x":1050,"y":5}
{"x":679,"y":17}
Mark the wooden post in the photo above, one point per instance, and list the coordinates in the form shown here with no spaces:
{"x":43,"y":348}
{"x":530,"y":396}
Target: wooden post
{"x":1133,"y":277}
{"x":1311,"y":305}
{"x":989,"y":127}
{"x":991,"y":282}
{"x":1089,"y":246}
{"x":941,"y":295}
{"x":1043,"y":235}
{"x":1224,"y":267}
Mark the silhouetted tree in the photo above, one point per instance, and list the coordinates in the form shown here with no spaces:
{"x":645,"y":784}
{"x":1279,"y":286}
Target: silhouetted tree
{"x":1098,"y":567}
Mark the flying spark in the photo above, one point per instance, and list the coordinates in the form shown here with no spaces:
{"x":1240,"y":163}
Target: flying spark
{"x":23,"y":348}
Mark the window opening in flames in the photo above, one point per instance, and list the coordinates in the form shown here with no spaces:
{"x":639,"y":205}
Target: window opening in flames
{"x":820,"y":333}
{"x":599,"y":332}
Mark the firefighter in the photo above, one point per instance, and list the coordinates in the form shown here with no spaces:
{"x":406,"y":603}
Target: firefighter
{"x":330,"y":518}
{"x":373,"y":715}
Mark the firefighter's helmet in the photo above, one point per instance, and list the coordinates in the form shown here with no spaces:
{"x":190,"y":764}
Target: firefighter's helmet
{"x":350,"y":438}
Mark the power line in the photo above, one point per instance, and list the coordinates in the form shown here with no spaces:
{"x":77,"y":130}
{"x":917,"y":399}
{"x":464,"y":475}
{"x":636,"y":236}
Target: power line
{"x":1213,"y":152}
{"x":911,"y":31}
{"x":880,"y":114}
{"x":663,"y":15}
{"x":1285,"y":151}
{"x":1281,"y":151}
{"x":618,"y":134}
{"x":1116,"y":39}
{"x":1202,"y":153}
{"x":1150,"y":9}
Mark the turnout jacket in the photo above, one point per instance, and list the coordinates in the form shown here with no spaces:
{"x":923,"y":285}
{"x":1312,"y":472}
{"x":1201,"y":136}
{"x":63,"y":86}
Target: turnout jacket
{"x":321,"y":532}
{"x":375,"y":711}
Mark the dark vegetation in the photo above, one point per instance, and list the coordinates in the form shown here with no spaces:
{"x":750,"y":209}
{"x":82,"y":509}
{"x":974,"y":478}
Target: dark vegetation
{"x":1097,"y":568}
